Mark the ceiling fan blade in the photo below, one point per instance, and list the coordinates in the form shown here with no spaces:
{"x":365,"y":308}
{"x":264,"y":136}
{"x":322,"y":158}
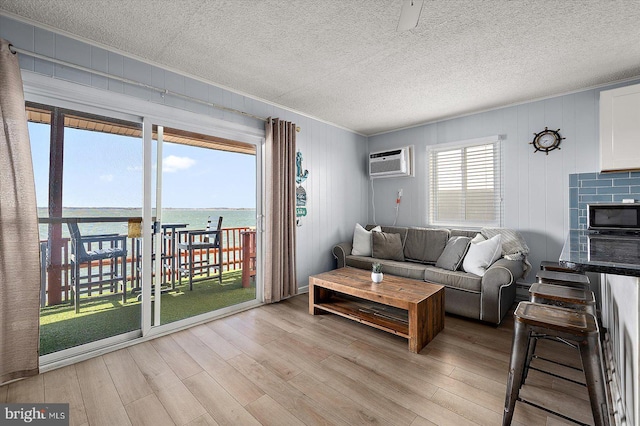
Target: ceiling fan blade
{"x":409,"y":14}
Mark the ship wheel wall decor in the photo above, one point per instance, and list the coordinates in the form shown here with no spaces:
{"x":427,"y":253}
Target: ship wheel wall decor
{"x":547,"y":140}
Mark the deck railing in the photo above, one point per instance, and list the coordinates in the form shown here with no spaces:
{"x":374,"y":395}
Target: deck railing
{"x":232,"y":259}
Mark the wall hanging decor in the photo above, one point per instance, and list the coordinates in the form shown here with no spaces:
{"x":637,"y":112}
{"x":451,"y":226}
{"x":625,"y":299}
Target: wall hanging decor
{"x":301,"y":193}
{"x":547,"y":140}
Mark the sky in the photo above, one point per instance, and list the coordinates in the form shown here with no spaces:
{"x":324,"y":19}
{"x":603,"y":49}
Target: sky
{"x":105,"y":170}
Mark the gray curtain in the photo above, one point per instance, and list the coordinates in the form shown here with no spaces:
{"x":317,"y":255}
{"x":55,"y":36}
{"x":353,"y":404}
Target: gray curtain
{"x":19,"y":247}
{"x":280,"y":256}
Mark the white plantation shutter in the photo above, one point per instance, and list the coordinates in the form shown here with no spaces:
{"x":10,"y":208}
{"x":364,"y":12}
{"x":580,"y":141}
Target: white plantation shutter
{"x":465,"y":183}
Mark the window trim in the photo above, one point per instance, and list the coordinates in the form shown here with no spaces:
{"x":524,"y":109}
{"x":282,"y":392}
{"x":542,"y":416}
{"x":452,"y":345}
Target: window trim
{"x":497,"y":140}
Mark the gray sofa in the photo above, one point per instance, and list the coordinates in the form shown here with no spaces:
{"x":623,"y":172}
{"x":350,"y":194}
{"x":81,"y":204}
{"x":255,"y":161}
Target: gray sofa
{"x":487,"y":298}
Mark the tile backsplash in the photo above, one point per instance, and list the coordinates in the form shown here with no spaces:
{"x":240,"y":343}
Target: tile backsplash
{"x":590,"y":188}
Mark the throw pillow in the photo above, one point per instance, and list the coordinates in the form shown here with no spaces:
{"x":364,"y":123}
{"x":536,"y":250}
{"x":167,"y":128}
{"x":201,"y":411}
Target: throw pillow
{"x":362,"y":240}
{"x":387,"y":246}
{"x":424,"y":244}
{"x":481,"y":255}
{"x":453,"y":253}
{"x":478,"y":238}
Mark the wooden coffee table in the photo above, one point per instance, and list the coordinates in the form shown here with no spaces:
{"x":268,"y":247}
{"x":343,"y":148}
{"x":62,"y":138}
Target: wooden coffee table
{"x":402,"y":306}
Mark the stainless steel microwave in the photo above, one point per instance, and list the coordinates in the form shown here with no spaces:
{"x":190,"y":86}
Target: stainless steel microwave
{"x":614,"y":216}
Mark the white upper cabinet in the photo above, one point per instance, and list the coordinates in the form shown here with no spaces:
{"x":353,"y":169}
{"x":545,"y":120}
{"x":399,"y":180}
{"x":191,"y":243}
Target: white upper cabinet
{"x":620,"y":129}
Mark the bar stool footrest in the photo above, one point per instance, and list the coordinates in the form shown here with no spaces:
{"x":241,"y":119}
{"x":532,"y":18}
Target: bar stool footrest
{"x":557,"y":376}
{"x":558,"y":363}
{"x":555,"y":339}
{"x":555,"y":413}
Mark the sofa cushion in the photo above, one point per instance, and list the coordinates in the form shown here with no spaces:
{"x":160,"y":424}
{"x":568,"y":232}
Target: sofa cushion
{"x":362,"y":240}
{"x":456,"y":279}
{"x":463,"y":233}
{"x":425,"y":245}
{"x":392,"y":267}
{"x":392,"y":230}
{"x":454,"y":251}
{"x":482,"y":255}
{"x":387,"y":246}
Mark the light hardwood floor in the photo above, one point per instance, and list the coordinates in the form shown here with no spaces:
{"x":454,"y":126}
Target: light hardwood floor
{"x":278,"y":365}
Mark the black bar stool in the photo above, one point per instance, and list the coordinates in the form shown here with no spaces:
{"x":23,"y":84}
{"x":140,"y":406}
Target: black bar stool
{"x":547,"y":265}
{"x":563,"y":296}
{"x":563,"y":278}
{"x":581,"y":328}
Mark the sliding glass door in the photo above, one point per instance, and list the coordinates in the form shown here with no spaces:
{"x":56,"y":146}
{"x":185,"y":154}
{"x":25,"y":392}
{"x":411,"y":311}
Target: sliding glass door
{"x":204,"y":198}
{"x":146,"y":225}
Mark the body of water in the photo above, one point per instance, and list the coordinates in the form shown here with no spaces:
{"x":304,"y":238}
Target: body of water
{"x":194,"y":218}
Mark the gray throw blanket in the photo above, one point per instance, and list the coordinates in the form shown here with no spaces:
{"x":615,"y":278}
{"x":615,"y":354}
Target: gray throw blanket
{"x":513,"y":245}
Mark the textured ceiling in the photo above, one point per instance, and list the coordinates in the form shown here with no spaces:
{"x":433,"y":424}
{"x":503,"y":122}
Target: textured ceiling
{"x":342,"y":61}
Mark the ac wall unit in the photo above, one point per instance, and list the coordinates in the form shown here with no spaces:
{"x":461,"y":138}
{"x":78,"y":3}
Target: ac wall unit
{"x":392,"y":163}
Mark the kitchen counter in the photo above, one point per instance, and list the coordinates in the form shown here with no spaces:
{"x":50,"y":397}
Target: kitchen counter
{"x":606,"y":253}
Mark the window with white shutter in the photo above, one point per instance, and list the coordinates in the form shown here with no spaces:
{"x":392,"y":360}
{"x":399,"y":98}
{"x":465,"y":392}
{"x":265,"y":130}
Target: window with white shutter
{"x":465,"y":183}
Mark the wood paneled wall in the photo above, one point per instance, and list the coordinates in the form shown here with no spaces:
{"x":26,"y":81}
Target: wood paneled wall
{"x":536,"y":186}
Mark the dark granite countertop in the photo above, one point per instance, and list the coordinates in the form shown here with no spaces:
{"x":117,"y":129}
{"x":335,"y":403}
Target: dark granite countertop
{"x":602,"y":252}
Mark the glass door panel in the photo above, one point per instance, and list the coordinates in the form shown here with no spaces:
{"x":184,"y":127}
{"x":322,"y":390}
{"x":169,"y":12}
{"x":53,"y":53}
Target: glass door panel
{"x":204,"y":180}
{"x":88,"y":185}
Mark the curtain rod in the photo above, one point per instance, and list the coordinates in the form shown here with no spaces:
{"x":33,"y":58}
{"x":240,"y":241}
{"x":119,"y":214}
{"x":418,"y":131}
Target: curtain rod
{"x":163,"y":92}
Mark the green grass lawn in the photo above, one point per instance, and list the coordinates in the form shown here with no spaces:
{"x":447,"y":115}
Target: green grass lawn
{"x":62,"y":328}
